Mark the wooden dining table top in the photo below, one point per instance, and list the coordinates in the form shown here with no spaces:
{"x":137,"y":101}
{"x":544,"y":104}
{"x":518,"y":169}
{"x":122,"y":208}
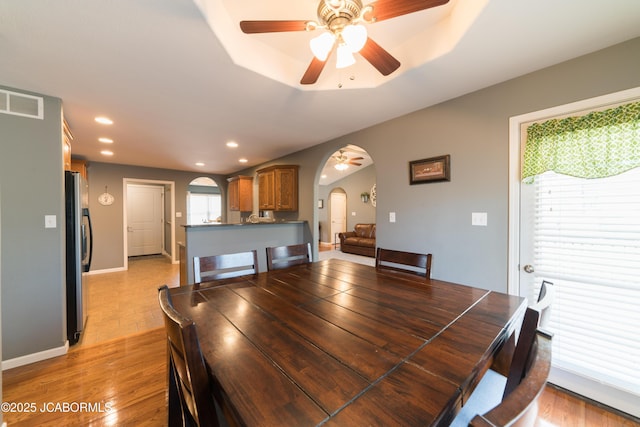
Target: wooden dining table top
{"x":341,"y":344}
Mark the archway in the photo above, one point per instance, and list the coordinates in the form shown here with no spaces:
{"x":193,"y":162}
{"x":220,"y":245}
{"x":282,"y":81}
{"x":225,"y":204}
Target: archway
{"x":349,"y":170}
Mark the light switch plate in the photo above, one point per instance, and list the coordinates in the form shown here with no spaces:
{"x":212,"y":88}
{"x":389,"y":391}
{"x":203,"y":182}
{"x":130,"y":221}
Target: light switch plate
{"x":50,"y":221}
{"x":392,"y":217}
{"x":178,"y":214}
{"x":479,"y":218}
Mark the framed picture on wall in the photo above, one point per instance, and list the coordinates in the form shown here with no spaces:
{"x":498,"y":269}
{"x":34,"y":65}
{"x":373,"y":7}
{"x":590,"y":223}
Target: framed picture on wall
{"x":433,"y":169}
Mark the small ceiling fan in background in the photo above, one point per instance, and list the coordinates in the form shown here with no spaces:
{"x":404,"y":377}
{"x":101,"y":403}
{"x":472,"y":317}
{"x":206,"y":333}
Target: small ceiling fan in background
{"x":345,"y":33}
{"x":343,"y":161}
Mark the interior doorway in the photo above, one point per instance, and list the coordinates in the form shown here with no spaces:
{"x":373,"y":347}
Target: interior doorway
{"x":145,"y":219}
{"x":338,"y":220}
{"x":167,"y":208}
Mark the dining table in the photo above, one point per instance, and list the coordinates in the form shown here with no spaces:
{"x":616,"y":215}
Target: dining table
{"x":338,"y":343}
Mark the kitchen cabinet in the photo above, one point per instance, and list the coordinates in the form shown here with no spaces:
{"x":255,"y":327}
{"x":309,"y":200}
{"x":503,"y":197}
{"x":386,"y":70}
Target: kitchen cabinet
{"x":241,"y":193}
{"x":278,"y":188}
{"x":66,"y":145}
{"x":81,"y":167}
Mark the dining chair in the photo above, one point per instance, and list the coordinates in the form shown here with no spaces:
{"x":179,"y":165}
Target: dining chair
{"x":520,"y":407}
{"x":279,"y":257}
{"x":407,"y":262}
{"x":225,"y":266}
{"x":494,"y":388}
{"x":188,"y":377}
{"x":545,"y":299}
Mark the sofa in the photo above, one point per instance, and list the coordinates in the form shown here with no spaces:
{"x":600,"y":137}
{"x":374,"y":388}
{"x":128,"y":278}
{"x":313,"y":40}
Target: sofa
{"x":360,"y":241}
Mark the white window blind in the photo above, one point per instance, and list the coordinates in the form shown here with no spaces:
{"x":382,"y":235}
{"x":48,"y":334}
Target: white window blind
{"x":587,"y":242}
{"x":203,"y":208}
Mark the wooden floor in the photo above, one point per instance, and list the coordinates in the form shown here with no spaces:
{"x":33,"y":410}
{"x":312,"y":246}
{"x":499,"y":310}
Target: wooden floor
{"x":117,"y":377}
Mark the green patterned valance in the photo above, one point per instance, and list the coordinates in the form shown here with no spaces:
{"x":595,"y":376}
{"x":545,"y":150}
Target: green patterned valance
{"x":596,"y":145}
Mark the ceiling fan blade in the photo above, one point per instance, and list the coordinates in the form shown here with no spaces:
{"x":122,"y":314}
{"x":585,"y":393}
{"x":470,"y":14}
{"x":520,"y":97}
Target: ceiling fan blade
{"x":252,"y":27}
{"x":386,"y":9}
{"x":379,"y":58}
{"x":313,"y":72}
{"x":355,"y":164}
{"x":357,"y":158}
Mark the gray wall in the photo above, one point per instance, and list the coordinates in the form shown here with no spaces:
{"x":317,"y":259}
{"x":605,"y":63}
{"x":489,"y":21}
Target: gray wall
{"x":108,"y":220}
{"x":353,"y":185}
{"x":435,"y":218}
{"x":32,"y":256}
{"x":474,"y":130}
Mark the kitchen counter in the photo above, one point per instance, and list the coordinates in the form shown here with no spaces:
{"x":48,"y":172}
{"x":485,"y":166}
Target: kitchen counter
{"x":222,"y":238}
{"x":236,"y":224}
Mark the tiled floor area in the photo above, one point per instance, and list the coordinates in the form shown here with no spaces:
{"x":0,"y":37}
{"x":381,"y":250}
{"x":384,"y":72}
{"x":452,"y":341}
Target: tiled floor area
{"x":126,"y":302}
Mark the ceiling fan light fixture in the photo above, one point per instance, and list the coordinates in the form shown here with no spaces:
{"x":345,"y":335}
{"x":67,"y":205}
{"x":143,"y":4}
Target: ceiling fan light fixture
{"x":341,"y":166}
{"x":322,"y":45}
{"x":344,"y":56}
{"x":355,"y":36}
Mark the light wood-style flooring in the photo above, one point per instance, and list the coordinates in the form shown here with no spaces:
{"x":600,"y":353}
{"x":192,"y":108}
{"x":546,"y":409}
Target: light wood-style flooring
{"x":116,"y":375}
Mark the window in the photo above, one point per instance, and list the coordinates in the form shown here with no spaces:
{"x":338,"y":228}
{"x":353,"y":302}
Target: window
{"x":204,"y":202}
{"x":204,"y":208}
{"x":587,"y":242}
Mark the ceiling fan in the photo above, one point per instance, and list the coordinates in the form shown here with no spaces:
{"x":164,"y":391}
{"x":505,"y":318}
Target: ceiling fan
{"x":345,"y":33}
{"x":343,"y":161}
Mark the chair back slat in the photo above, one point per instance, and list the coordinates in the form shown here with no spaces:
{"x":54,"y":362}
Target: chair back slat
{"x":522,"y":355}
{"x":186,"y":365}
{"x":225,"y":266}
{"x":389,"y":259}
{"x":280,"y":257}
{"x":520,"y":407}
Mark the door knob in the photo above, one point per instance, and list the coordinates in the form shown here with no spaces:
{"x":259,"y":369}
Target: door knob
{"x":528,"y":268}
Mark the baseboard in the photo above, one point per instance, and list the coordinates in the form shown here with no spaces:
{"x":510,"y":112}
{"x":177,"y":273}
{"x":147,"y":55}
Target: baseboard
{"x":106,"y":270}
{"x":35,"y":357}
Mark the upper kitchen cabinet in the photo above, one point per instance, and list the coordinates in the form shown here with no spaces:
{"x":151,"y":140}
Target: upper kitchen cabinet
{"x":241,"y":193}
{"x":67,"y":137}
{"x":81,"y":167}
{"x":278,"y":188}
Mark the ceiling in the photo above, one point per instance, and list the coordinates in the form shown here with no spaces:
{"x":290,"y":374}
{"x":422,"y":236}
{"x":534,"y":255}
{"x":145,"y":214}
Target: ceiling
{"x":358,"y":155}
{"x":176,"y":96}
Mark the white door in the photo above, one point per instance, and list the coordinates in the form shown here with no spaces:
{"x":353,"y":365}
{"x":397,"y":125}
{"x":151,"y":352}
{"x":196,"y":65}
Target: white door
{"x":338,"y":215}
{"x":566,"y":234}
{"x":144,"y":219}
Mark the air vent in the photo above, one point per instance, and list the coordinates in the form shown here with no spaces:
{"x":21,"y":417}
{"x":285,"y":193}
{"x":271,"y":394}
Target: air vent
{"x":20,"y":104}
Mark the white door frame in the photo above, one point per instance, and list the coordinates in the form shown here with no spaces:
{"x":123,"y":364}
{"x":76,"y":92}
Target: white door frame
{"x":580,"y":384}
{"x":171,"y":184}
{"x":515,"y":158}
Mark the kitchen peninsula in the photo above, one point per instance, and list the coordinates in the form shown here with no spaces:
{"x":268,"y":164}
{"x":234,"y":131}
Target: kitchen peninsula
{"x":221,"y":238}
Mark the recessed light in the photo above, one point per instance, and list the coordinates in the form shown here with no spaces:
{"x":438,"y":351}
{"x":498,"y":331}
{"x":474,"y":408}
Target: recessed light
{"x":232,"y":144}
{"x":106,"y":153}
{"x":199,"y":164}
{"x":104,"y":120}
{"x":106,"y":140}
{"x":243,"y":160}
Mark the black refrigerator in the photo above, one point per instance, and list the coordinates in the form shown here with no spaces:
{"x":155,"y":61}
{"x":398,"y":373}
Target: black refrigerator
{"x":79,"y":248}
